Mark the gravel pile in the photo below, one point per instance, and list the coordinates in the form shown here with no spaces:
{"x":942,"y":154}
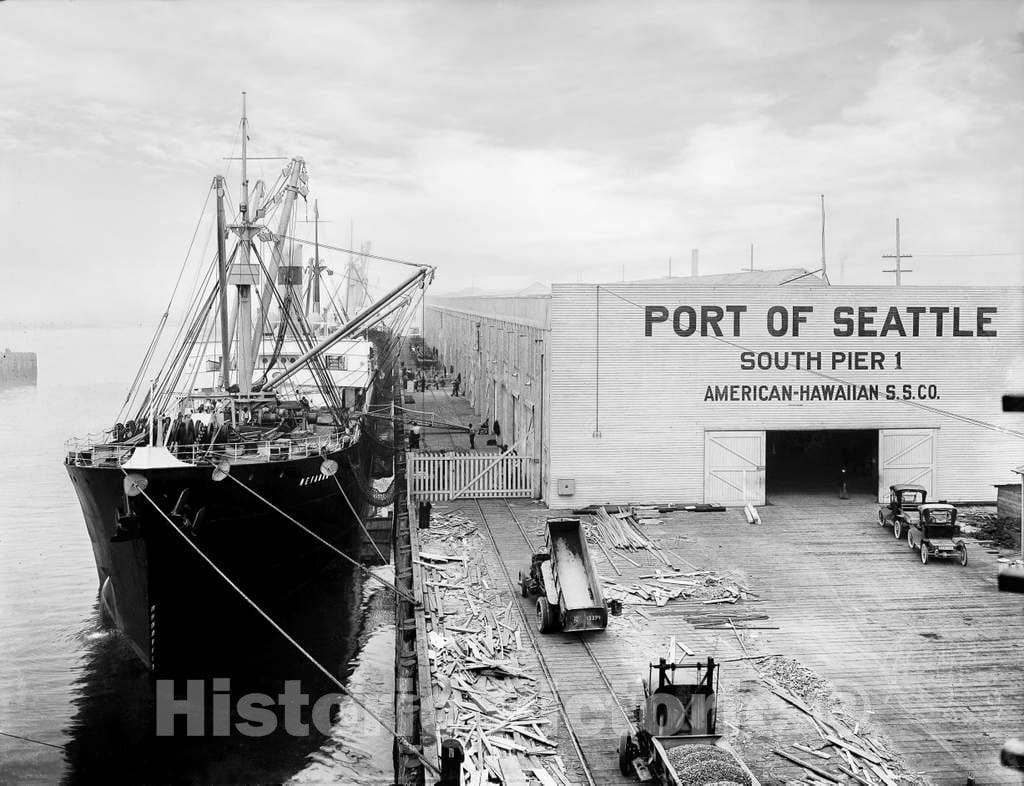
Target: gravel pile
{"x":798,"y":679}
{"x":703,"y":765}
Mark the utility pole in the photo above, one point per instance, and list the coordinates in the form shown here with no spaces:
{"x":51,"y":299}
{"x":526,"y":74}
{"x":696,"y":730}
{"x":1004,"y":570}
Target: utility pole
{"x":824,"y":269}
{"x":898,"y":256}
{"x":750,"y":269}
{"x":670,"y":267}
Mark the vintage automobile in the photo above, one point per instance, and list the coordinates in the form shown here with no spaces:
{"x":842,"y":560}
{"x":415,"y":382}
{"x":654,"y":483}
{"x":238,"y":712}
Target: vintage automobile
{"x":904,"y":500}
{"x":935,"y":533}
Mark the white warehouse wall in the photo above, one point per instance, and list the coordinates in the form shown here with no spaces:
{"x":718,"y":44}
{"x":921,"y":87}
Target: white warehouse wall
{"x":645,"y":395}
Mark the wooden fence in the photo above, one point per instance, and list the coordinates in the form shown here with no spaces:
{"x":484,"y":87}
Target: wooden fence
{"x":437,"y":476}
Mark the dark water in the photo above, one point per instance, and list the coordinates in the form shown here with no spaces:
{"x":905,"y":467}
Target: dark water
{"x":68,"y":680}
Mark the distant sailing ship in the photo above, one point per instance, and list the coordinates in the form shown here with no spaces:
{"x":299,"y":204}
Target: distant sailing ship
{"x":259,"y":413}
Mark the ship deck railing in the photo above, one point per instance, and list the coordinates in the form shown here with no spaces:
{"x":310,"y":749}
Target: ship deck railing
{"x":91,"y":452}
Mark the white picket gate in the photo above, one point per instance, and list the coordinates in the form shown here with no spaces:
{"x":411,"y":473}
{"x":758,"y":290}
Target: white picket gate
{"x":439,"y":476}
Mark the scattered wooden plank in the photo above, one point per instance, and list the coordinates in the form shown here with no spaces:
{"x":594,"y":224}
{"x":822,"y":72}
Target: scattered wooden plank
{"x":883,"y":774}
{"x":861,"y":752}
{"x":441,"y":557}
{"x":854,"y":775}
{"x":807,"y":766}
{"x":811,"y":751}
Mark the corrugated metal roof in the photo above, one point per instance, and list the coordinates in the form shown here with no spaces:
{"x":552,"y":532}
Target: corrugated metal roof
{"x":790,"y":276}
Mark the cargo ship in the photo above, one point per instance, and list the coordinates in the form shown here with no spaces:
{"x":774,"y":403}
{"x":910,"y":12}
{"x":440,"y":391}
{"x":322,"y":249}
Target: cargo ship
{"x":240,"y":463}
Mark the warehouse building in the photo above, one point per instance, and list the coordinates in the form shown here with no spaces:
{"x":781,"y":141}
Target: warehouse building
{"x":740,"y":388}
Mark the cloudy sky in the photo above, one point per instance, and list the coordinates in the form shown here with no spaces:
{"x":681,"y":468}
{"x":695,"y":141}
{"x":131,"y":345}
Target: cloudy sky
{"x":512,"y":143}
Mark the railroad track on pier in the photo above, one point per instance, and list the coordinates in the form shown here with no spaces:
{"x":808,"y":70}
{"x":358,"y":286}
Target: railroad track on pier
{"x":533,"y":633}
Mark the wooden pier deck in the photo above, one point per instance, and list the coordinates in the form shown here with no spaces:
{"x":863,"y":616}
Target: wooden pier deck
{"x":928,"y":657}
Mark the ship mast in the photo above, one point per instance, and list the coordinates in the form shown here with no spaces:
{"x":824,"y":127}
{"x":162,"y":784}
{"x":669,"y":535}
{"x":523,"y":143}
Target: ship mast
{"x":316,"y":257}
{"x":222,"y":272}
{"x":243,"y":276}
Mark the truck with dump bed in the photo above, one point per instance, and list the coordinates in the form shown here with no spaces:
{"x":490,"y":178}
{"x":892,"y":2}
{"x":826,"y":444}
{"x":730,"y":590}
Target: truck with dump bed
{"x":566,"y":582}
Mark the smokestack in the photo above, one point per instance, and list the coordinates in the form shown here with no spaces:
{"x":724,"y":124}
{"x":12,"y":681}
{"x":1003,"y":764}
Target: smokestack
{"x":693,"y":263}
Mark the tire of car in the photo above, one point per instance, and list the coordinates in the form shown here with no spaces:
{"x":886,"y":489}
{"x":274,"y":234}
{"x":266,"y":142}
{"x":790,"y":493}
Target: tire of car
{"x":910,"y":539}
{"x":924,"y":553}
{"x":897,"y":528}
{"x":881,"y":519}
{"x":963,"y":553}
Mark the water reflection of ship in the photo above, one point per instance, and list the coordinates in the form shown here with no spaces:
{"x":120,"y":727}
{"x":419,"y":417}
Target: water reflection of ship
{"x":113,"y":729}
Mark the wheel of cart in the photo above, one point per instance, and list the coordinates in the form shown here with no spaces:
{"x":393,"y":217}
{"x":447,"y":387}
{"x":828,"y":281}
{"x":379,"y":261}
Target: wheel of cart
{"x":627,"y":752}
{"x":547,"y":616}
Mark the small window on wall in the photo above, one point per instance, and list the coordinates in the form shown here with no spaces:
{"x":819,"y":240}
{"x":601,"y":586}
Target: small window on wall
{"x":336,"y":363}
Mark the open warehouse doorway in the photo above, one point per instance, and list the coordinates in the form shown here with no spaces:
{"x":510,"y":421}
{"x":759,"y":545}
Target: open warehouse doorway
{"x":811,"y":462}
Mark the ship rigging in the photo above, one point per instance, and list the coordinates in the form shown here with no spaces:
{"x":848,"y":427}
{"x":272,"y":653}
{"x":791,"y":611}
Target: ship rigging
{"x":259,"y":384}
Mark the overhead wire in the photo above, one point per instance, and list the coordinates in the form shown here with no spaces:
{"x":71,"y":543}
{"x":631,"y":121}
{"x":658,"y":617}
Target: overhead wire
{"x":167,"y":310}
{"x":984,"y":254}
{"x":366,"y":254}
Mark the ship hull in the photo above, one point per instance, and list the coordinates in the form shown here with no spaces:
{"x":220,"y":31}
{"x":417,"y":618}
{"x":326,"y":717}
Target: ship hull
{"x":171,"y":606}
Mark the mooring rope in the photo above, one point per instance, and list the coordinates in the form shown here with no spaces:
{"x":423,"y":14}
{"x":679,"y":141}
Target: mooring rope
{"x":29,"y":739}
{"x":402,"y":742}
{"x":362,"y":526}
{"x":335,"y":549}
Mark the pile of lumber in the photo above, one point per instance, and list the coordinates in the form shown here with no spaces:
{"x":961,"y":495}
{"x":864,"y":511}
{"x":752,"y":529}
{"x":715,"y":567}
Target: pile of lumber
{"x":618,"y":530}
{"x":853,"y":755}
{"x":659,"y":587}
{"x":450,"y":528}
{"x":841,"y":752}
{"x":484,"y":693}
{"x":728,"y":620}
{"x":646,"y":513}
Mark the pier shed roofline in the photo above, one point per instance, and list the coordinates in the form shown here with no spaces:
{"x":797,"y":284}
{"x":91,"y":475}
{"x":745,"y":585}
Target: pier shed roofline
{"x":476,"y":308}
